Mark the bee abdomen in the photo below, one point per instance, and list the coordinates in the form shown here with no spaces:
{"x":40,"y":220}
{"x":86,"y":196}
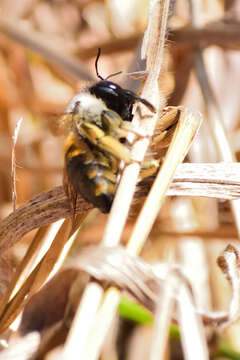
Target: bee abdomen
{"x":94,"y":181}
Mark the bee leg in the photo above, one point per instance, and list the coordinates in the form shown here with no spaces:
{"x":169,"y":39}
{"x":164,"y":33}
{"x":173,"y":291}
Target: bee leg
{"x":111,"y":122}
{"x":105,"y":142}
{"x":115,"y":126}
{"x":149,"y":167}
{"x":166,"y":126}
{"x":122,"y":129}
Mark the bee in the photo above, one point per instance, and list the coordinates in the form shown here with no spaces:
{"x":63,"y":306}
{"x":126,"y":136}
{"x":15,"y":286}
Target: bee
{"x":99,"y":120}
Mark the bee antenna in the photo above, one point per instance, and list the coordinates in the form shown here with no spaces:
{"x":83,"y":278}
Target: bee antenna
{"x":114,"y":74}
{"x":96,"y":64}
{"x":96,"y":68}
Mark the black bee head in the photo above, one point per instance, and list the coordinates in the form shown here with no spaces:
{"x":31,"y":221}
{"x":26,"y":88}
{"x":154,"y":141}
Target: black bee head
{"x":118,"y":99}
{"x":115,"y":97}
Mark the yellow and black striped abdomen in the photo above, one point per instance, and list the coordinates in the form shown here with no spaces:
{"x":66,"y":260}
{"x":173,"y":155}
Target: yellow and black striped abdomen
{"x":91,"y":172}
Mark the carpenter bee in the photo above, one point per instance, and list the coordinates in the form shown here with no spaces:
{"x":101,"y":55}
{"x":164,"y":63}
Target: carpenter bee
{"x":98,"y":121}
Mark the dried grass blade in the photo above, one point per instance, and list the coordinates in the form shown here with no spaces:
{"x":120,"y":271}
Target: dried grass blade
{"x":222,"y":172}
{"x":53,"y":259}
{"x":86,"y":312}
{"x":163,"y":318}
{"x":103,"y":321}
{"x":38,"y":238}
{"x":14,"y":307}
{"x":192,"y":332}
{"x":114,"y":265}
{"x":205,"y":189}
{"x":13,"y":175}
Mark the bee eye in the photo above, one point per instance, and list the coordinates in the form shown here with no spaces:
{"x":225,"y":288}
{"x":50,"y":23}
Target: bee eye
{"x":113,"y":86}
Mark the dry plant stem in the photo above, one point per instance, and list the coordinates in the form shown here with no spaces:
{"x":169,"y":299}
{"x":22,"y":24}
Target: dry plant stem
{"x":13,"y":175}
{"x":188,"y":125}
{"x":222,"y":232}
{"x":219,"y":33}
{"x":163,"y":318}
{"x":53,"y":257}
{"x":36,"y":251}
{"x":214,"y":113}
{"x":192,"y":333}
{"x":93,"y":293}
{"x":153,"y":47}
{"x":103,"y":322}
{"x":15,"y":305}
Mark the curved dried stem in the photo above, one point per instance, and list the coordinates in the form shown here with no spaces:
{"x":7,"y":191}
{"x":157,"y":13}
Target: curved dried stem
{"x":208,"y":180}
{"x":43,"y":209}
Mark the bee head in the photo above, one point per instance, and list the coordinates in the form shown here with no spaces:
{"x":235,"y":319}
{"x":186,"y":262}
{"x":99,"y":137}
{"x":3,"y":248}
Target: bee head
{"x":115,"y":97}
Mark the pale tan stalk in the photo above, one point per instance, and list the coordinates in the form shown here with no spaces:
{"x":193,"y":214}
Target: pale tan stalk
{"x":152,"y":49}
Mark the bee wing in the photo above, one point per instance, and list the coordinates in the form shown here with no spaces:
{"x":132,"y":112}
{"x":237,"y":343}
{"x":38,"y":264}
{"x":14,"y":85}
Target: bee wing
{"x":65,"y":123}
